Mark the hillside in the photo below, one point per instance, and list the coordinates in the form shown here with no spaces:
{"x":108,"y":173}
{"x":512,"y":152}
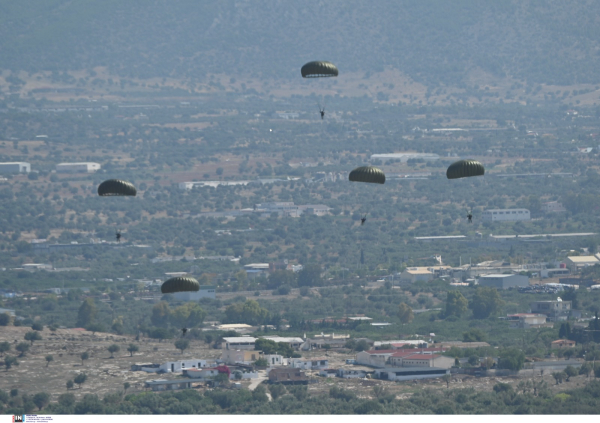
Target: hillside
{"x":433,"y":42}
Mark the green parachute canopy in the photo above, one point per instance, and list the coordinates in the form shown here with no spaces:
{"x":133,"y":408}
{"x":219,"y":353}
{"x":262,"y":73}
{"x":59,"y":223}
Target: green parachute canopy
{"x":465,"y":169}
{"x":180,"y":284}
{"x":116,"y":187}
{"x":319,"y":69}
{"x":369,"y":174}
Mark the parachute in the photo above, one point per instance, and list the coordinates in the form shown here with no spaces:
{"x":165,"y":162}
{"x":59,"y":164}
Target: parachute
{"x":116,"y":187}
{"x":369,"y":174}
{"x":465,"y":169}
{"x":319,"y":69}
{"x":180,"y":284}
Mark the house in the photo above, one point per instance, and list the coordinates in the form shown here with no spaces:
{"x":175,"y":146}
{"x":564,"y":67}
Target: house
{"x":351,"y":374}
{"x":179,"y":366}
{"x":415,"y":274}
{"x":288,"y":376}
{"x":333,"y":340}
{"x":503,"y":281}
{"x":328,"y":372}
{"x":563,"y":343}
{"x":410,"y":373}
{"x":238,"y":343}
{"x":555,"y":310}
{"x":168,"y":385}
{"x":374,"y":358}
{"x":309,"y":363}
{"x":274,"y":360}
{"x":553,"y":207}
{"x":240,"y":356}
{"x":526,"y":320}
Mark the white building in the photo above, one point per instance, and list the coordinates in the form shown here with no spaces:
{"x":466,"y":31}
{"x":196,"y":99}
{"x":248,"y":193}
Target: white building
{"x":309,"y":363}
{"x":83,"y":167}
{"x":503,"y":281}
{"x":404,"y":157}
{"x":505,"y":215}
{"x":15,"y":167}
{"x":238,"y":343}
{"x":179,"y":366}
{"x":206,"y":291}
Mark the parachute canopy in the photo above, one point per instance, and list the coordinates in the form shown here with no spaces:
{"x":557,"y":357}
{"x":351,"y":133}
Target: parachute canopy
{"x":319,"y":70}
{"x":465,"y":169}
{"x":116,"y":187}
{"x":369,"y":174}
{"x":180,"y":284}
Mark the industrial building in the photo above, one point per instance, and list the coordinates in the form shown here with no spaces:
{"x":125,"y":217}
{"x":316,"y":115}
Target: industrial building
{"x":505,"y":215}
{"x":83,"y":167}
{"x":15,"y":167}
{"x":206,"y":291}
{"x":503,"y":281}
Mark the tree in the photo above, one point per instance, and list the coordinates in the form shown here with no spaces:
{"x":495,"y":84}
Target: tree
{"x":33,"y":336}
{"x":456,"y":304}
{"x":558,"y":377}
{"x":474,"y":335}
{"x":261,"y":362}
{"x":37,"y":326}
{"x":132,"y":348}
{"x":49,"y":358}
{"x":182,"y":344}
{"x":41,"y":400}
{"x":269,"y":346}
{"x":310,"y":275}
{"x":277,"y":390}
{"x":405,"y":313}
{"x":22,"y":347}
{"x":126,"y":386}
{"x":4,"y":319}
{"x":4,"y":347}
{"x":112,"y":349}
{"x":69,"y":384}
{"x":571,"y":371}
{"x":10,"y":361}
{"x":485,"y":302}
{"x":447,"y":378}
{"x":80,"y":379}
{"x":160,"y":314}
{"x":474,"y":360}
{"x":67,"y":400}
{"x":188,"y":315}
{"x":511,"y":359}
{"x":87,"y":313}
{"x":361,"y":345}
{"x":84,"y":356}
{"x":249,"y":312}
